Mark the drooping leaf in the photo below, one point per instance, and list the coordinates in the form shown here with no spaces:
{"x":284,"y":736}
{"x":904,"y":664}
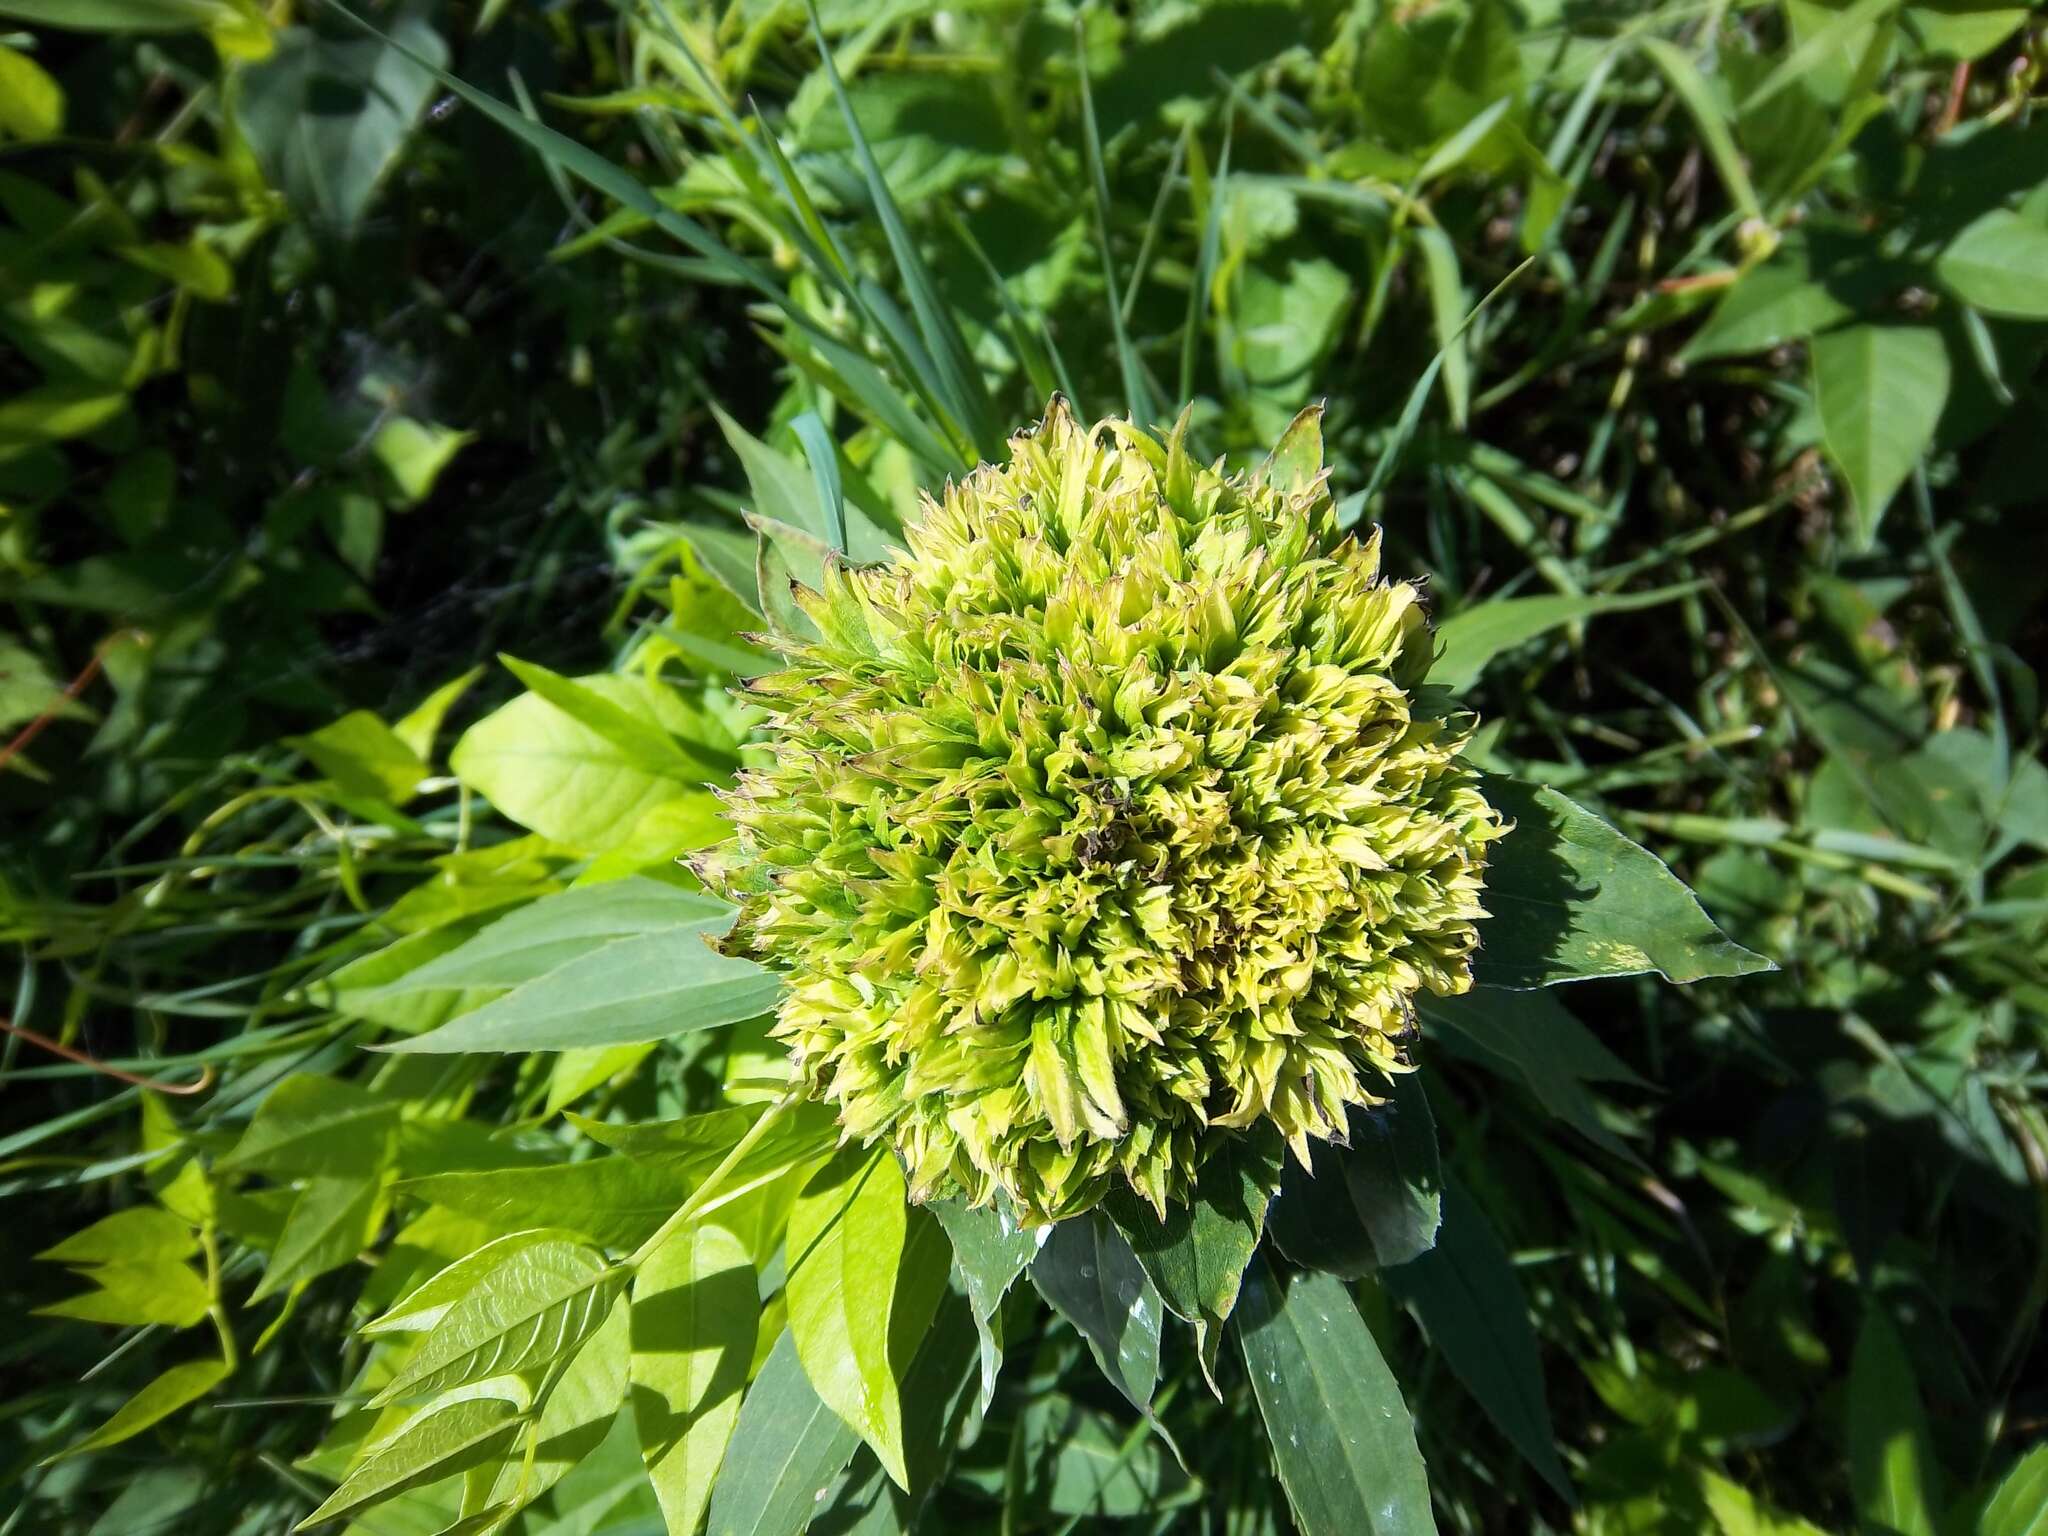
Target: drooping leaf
{"x":1369,"y":1205}
{"x":534,"y":1306}
{"x":866,"y":1270}
{"x":1197,"y":1255}
{"x":695,"y":1311}
{"x":1880,"y":389}
{"x":1572,"y":898}
{"x":431,"y":1445}
{"x":174,"y":1389}
{"x":1465,"y":1291}
{"x":1342,"y":1439}
{"x":989,"y":1252}
{"x":1090,"y":1276}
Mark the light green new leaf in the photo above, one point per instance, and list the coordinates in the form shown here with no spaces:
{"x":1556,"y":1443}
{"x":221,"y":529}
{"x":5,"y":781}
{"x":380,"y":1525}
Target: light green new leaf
{"x":648,"y":987}
{"x":1470,"y":639}
{"x":314,"y":1126}
{"x":562,"y":927}
{"x":423,"y":1307}
{"x":1572,"y":898}
{"x":616,"y":1201}
{"x":438,"y":1443}
{"x":696,"y":1307}
{"x":176,"y":1387}
{"x":571,"y":1420}
{"x":2020,"y":1506}
{"x":422,"y":723}
{"x":786,"y":1446}
{"x":1999,"y":264}
{"x":1090,"y":1276}
{"x":1196,"y":1256}
{"x":131,"y":1294}
{"x":1342,"y":1439}
{"x":332,"y":1220}
{"x":363,"y":756}
{"x":140,"y":1234}
{"x":1374,"y":1203}
{"x":561,"y":777}
{"x":866,"y":1270}
{"x":31,"y":103}
{"x":1891,"y":1454}
{"x":535,"y":1306}
{"x":989,"y":1252}
{"x":1473,"y":1306}
{"x":1880,"y":389}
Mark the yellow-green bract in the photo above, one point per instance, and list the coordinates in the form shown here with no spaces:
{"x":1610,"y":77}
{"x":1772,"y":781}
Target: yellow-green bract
{"x":1107,"y":821}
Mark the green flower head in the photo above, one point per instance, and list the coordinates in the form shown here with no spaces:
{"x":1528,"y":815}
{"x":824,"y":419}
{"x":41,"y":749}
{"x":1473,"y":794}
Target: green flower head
{"x":1107,"y":822}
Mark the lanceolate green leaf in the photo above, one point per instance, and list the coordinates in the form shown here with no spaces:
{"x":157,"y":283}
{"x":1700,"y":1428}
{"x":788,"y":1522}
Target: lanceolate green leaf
{"x":423,"y":1307}
{"x":562,"y":927}
{"x":1196,"y":1256}
{"x":533,"y":1307}
{"x":1572,"y":898}
{"x":695,"y":1311}
{"x":614,"y":1201}
{"x":431,"y":1445}
{"x":313,"y":1125}
{"x":1891,"y":1454}
{"x":786,"y":1447}
{"x":866,"y":1270}
{"x":1528,"y":1037}
{"x":1374,"y":1203}
{"x":1472,"y":638}
{"x":330,"y":1222}
{"x":1881,"y":389}
{"x":2020,"y":1506}
{"x":1342,"y":1439}
{"x":1466,"y":1293}
{"x":648,"y":987}
{"x":176,"y":1387}
{"x":1091,"y":1277}
{"x":572,"y":1417}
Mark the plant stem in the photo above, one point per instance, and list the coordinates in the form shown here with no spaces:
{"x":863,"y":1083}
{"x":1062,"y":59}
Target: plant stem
{"x":701,"y":1195}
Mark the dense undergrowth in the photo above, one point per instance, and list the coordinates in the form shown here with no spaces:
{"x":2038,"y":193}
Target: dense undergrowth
{"x":1690,"y":355}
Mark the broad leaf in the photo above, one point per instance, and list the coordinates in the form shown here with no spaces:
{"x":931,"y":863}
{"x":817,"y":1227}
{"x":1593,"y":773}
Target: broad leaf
{"x":1369,"y":1205}
{"x":311,"y":1125}
{"x":535,"y":1306}
{"x":332,"y":1220}
{"x":1342,"y":1439}
{"x":989,"y":1252}
{"x":1999,"y":265}
{"x":423,"y":1307}
{"x":616,"y":1201}
{"x":140,"y":1234}
{"x":1470,"y":1301}
{"x":866,"y":1271}
{"x":574,"y":1415}
{"x":634,"y":990}
{"x":174,"y":1389}
{"x":1572,"y":898}
{"x":695,"y":1311}
{"x":1196,"y":1256}
{"x":429,"y":1446}
{"x":1092,"y":1279}
{"x":1529,"y":1038}
{"x":160,"y":1292}
{"x":1881,"y":389}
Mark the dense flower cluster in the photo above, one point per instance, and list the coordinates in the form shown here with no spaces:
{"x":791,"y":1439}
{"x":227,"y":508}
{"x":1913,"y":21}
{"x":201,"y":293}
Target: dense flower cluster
{"x":1107,"y":821}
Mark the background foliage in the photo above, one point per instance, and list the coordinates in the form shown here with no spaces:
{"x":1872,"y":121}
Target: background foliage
{"x":321,"y":389}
